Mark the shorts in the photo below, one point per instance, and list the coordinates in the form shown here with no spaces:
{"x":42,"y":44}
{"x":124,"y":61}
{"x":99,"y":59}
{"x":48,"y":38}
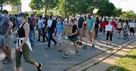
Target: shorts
{"x":80,"y":30}
{"x":72,"y":39}
{"x":132,"y":30}
{"x":119,"y":29}
{"x":90,"y":33}
{"x":4,"y":41}
{"x":59,"y":38}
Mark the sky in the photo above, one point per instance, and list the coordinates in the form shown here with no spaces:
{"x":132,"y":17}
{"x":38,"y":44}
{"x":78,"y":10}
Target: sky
{"x":126,"y":5}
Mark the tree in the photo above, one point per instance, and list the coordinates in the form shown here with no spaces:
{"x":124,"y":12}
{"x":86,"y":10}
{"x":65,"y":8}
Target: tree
{"x":105,"y":7}
{"x":43,"y":4}
{"x":86,"y":6}
{"x":11,"y":2}
{"x":129,"y":15}
{"x":117,"y":12}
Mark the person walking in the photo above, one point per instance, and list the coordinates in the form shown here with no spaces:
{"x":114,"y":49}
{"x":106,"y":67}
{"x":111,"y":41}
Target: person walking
{"x":90,"y":27}
{"x":43,"y":29}
{"x":97,"y":23}
{"x":60,"y":32}
{"x":80,"y":28}
{"x":119,"y":27}
{"x":132,"y":27}
{"x":72,"y":38}
{"x":40,"y":26}
{"x":109,"y":29}
{"x":6,"y":27}
{"x":23,"y":45}
{"x":51,"y":25}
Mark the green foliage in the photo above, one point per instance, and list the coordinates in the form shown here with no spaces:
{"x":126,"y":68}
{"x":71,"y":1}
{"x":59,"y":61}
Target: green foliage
{"x":128,"y":15}
{"x":15,"y":2}
{"x":11,"y":2}
{"x":13,"y":12}
{"x":117,"y":12}
{"x":39,"y":13}
{"x":36,"y":4}
{"x":43,"y":4}
{"x":86,"y":6}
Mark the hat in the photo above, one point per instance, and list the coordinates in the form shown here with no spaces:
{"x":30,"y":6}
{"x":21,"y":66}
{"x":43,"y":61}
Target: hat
{"x":22,"y":15}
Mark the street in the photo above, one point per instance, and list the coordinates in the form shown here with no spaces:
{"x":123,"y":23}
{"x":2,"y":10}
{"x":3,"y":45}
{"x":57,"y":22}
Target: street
{"x":52,"y":60}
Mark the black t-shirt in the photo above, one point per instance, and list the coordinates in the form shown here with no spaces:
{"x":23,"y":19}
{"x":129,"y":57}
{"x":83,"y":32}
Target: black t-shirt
{"x":97,"y":23}
{"x":53,"y":26}
{"x":74,"y":29}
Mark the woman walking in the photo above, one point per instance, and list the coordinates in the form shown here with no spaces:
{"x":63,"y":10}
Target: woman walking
{"x":109,"y":29}
{"x":72,"y":38}
{"x":60,"y":31}
{"x":23,"y":44}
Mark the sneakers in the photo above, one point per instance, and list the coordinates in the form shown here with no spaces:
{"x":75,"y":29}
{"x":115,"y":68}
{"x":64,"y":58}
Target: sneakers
{"x":39,"y":68}
{"x":55,"y":44}
{"x":77,"y":53}
{"x":60,"y":50}
{"x":85,"y":47}
{"x":65,"y":56}
{"x":7,"y":61}
{"x":79,"y":43}
{"x":92,"y":45}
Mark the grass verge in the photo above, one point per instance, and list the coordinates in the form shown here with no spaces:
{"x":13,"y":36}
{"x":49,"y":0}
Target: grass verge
{"x":127,"y":63}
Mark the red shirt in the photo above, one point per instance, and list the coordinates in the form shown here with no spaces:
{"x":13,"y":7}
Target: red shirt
{"x":103,"y":25}
{"x":114,"y":23}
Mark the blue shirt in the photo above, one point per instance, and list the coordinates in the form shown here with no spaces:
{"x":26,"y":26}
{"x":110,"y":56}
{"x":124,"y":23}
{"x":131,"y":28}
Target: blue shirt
{"x":60,"y":28}
{"x":80,"y":22}
{"x":90,"y":23}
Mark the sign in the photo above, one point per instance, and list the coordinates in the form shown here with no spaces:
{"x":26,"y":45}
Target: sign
{"x":95,"y":11}
{"x":68,"y":29}
{"x":108,"y":28}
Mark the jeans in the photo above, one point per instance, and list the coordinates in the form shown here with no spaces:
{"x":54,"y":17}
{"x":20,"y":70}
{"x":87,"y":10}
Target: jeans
{"x":44,"y":34}
{"x":39,"y":33}
{"x":96,"y":31}
{"x":31,"y":37}
{"x":50,"y":38}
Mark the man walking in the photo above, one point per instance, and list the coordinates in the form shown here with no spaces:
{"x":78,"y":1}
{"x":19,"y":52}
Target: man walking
{"x":4,"y":38}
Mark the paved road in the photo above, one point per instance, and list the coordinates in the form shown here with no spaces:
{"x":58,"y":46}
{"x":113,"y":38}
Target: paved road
{"x":52,"y":59}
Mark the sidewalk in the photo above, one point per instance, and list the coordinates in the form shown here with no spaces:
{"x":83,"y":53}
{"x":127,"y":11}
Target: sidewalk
{"x":52,"y":59}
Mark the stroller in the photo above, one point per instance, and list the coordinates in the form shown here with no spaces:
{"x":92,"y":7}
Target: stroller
{"x":125,"y":32}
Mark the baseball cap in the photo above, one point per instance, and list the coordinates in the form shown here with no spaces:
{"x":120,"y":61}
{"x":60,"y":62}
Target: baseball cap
{"x":22,"y":15}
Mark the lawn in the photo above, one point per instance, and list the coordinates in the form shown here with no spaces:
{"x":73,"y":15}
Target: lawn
{"x":127,"y":63}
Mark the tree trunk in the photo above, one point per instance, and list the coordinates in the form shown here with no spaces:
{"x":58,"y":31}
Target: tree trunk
{"x":45,"y":11}
{"x":1,"y":6}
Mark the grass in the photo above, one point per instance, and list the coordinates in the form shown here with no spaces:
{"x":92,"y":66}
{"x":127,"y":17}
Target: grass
{"x":127,"y":63}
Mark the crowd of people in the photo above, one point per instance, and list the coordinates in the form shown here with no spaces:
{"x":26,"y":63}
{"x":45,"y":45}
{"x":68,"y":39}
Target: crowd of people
{"x":87,"y":26}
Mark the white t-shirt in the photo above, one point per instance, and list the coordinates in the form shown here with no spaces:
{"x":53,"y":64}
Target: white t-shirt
{"x":131,"y":24}
{"x":40,"y":23}
{"x":49,"y":23}
{"x":135,"y":25}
